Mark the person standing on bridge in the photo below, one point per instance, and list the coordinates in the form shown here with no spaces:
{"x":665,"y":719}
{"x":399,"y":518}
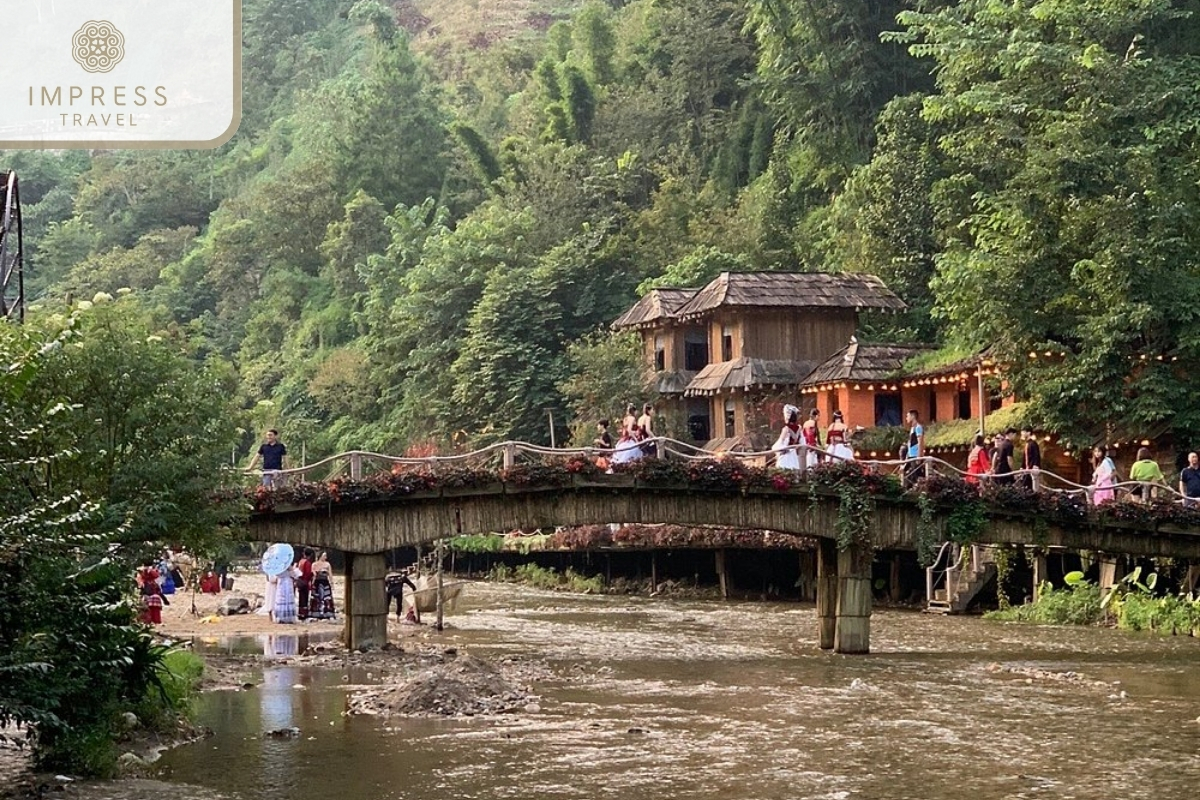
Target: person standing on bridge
{"x":837,"y":439}
{"x":785,"y":446}
{"x":1189,"y":481}
{"x":272,"y":452}
{"x":646,"y":423}
{"x":811,"y":434}
{"x":1103,"y":477}
{"x":1147,"y":473}
{"x":915,"y":450}
{"x":1003,"y":468}
{"x":1031,"y":457}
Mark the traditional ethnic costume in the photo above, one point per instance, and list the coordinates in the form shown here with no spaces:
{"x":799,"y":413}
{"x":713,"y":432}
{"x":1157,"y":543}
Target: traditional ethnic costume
{"x":321,"y":599}
{"x":788,"y":457}
{"x":811,"y":435}
{"x":837,"y":446}
{"x":152,"y":599}
{"x":285,"y":596}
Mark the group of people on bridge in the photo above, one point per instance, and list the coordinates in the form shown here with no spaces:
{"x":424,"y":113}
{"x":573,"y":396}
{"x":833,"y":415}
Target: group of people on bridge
{"x":636,"y":437}
{"x":794,"y":435}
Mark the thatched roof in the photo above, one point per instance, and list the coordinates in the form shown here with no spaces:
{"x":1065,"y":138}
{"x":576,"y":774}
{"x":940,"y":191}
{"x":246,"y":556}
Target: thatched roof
{"x":792,"y":290}
{"x":748,"y":373}
{"x":929,"y":368}
{"x":673,"y":381}
{"x":863,"y":362}
{"x":657,"y":305}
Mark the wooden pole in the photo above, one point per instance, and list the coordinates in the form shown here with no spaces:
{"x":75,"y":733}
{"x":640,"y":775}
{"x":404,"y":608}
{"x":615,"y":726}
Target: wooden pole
{"x":722,"y":576}
{"x":894,"y":579}
{"x":827,"y":591}
{"x":1039,"y":573}
{"x":440,"y":584}
{"x":852,"y":631}
{"x":653,"y":571}
{"x":982,"y":399}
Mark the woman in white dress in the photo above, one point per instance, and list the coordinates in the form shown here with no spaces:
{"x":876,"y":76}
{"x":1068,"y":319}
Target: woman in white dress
{"x":285,"y":597}
{"x":628,"y":447}
{"x":268,"y":606}
{"x":785,"y":446}
{"x":838,"y":438}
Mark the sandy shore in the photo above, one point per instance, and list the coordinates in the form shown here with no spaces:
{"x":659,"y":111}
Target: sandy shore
{"x":180,"y":619}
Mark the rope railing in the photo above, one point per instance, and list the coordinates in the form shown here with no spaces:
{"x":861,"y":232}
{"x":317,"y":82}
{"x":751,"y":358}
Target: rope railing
{"x":508,"y":452}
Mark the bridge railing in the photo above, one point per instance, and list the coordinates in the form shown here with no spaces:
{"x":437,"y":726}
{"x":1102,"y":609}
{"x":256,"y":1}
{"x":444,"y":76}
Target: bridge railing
{"x":356,"y":464}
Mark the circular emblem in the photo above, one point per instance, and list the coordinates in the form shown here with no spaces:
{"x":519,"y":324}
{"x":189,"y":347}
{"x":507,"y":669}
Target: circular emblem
{"x":98,"y":46}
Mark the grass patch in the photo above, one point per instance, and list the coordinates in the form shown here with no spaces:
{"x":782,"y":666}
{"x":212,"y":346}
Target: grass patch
{"x":543,"y":578}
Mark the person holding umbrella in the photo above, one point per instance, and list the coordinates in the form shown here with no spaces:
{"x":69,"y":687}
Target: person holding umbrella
{"x":277,"y":565}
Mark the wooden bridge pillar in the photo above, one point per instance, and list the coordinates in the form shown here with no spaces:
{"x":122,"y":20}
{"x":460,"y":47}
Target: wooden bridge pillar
{"x":366,"y":601}
{"x":827,"y":592}
{"x":1039,"y":573}
{"x":852,"y":629}
{"x":1110,"y":571}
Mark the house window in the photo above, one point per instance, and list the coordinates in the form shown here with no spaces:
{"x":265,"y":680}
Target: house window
{"x":699,"y":420}
{"x":994,"y":402}
{"x":726,"y":344}
{"x":730,"y":418}
{"x":660,"y":354}
{"x":695,"y":350}
{"x":887,"y":409}
{"x":964,"y":403}
{"x":835,"y":401}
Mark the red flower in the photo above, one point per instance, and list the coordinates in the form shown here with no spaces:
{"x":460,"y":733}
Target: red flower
{"x":781,"y":483}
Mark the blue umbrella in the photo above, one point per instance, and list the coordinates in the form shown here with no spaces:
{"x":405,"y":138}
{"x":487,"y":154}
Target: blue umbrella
{"x":278,"y":557}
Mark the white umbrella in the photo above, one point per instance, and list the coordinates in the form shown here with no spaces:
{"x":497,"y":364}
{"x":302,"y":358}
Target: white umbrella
{"x":278,"y":557}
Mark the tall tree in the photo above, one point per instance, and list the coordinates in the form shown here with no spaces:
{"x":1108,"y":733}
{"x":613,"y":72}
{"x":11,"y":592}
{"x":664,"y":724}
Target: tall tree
{"x":1072,"y":211}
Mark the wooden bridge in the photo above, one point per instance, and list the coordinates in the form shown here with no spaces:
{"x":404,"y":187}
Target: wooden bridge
{"x":418,"y":501}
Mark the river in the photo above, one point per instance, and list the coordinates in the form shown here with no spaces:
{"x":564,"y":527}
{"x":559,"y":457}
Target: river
{"x":670,"y":699}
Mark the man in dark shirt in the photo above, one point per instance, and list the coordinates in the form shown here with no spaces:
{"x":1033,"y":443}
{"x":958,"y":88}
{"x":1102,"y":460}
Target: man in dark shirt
{"x":1032,"y":457}
{"x":1004,"y":458}
{"x":1189,"y":480}
{"x":272,"y":453}
{"x":394,"y":585}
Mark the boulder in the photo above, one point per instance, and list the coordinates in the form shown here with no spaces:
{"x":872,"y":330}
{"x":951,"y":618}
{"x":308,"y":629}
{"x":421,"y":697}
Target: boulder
{"x":233,"y":605}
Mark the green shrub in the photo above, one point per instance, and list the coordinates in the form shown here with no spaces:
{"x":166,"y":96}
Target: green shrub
{"x":1077,"y":605}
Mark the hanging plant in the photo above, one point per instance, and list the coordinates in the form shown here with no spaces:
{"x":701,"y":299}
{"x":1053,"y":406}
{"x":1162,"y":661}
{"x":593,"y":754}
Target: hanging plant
{"x":929,"y":538}
{"x":855,"y":510}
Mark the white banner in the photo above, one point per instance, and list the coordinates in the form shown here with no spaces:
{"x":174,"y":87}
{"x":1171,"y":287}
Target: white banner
{"x":119,"y":73}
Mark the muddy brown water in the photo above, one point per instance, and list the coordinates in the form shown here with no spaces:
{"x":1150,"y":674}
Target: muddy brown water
{"x":669,"y":699}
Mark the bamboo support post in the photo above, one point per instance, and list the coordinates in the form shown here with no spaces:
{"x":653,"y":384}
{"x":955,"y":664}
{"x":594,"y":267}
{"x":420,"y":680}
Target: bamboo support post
{"x":722,"y":574}
{"x":852,"y":630}
{"x":1039,"y":573}
{"x":356,"y":466}
{"x":827,"y":591}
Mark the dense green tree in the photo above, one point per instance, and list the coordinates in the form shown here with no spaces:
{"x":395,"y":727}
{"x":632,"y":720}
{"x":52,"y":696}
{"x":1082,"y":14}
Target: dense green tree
{"x":362,"y":232}
{"x":1072,"y":209}
{"x":604,"y":372}
{"x":884,"y":223}
{"x":112,"y":447}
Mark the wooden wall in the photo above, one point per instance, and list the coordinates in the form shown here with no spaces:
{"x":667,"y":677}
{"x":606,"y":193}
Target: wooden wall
{"x":798,"y":335}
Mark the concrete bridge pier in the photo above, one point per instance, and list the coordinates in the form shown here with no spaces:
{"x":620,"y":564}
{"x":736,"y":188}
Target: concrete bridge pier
{"x":852,"y":627}
{"x":366,"y":601}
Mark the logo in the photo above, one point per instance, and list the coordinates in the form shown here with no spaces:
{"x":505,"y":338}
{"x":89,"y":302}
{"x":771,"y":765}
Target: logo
{"x":98,"y":46}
